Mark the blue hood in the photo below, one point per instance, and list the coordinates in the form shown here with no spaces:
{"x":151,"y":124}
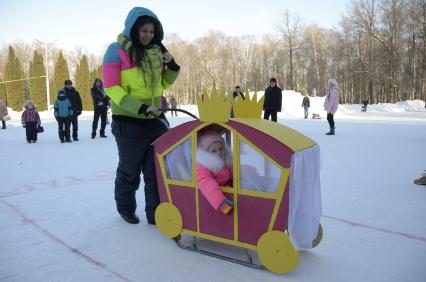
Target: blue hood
{"x":60,"y":90}
{"x":134,"y":14}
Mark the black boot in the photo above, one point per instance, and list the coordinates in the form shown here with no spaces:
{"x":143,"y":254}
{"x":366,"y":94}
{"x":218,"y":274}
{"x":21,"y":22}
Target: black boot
{"x":93,"y":135}
{"x":150,"y":217}
{"x":103,"y":135}
{"x":331,"y":131}
{"x":130,"y":218}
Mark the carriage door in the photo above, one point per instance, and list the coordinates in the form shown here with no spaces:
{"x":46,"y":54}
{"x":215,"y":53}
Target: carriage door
{"x":257,"y":193}
{"x":211,"y":221}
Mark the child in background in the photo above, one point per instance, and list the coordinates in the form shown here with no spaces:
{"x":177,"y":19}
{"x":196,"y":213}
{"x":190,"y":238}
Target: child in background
{"x":63,"y":115}
{"x":214,"y":169}
{"x":164,"y":103}
{"x":30,"y":121}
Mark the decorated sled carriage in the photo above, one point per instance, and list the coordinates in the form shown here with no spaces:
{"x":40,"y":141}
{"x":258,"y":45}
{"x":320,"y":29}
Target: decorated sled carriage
{"x":275,"y":187}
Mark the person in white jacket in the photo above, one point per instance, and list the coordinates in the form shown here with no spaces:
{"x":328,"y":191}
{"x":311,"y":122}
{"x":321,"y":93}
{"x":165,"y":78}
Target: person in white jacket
{"x":331,"y":103}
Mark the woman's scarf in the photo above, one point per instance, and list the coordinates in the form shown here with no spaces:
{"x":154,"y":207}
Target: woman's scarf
{"x":152,"y":61}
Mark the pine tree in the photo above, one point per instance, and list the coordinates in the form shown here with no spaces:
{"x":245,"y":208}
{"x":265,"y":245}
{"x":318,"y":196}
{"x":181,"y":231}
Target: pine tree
{"x":95,"y":73}
{"x":92,"y":77}
{"x":61,"y":74}
{"x":99,"y":70}
{"x":15,"y":87}
{"x":38,"y":82}
{"x":82,"y":83}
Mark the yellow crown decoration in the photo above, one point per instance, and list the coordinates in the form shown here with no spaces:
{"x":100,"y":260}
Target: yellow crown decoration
{"x":248,"y":108}
{"x":214,"y":107}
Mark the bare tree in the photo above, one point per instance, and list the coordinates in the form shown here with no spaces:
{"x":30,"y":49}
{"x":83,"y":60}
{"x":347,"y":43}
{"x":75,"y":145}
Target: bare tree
{"x":290,"y":28}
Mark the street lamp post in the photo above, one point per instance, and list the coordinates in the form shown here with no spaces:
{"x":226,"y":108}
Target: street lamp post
{"x":47,"y":78}
{"x":47,"y":70}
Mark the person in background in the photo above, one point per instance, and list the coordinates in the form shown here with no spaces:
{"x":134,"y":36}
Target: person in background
{"x":364,"y":105}
{"x":30,"y":121}
{"x":306,"y":104}
{"x":236,"y":95}
{"x":273,"y":98}
{"x":3,"y":113}
{"x":77,"y":106}
{"x":136,"y":70}
{"x":331,"y":103}
{"x":100,"y":107}
{"x":173,"y":105}
{"x":63,"y":115}
{"x":164,"y":104}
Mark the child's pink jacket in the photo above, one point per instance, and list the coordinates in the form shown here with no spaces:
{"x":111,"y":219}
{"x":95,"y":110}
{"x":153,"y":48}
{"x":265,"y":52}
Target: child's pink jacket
{"x":211,"y":174}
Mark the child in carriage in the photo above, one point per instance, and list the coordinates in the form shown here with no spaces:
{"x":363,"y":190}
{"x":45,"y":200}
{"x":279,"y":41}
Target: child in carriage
{"x":214,"y":169}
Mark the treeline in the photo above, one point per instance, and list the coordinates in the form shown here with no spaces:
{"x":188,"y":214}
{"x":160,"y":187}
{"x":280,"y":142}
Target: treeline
{"x":377,"y":53}
{"x":24,"y":78}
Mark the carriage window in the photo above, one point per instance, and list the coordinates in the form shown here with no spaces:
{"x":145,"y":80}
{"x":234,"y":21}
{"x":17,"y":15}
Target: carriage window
{"x":257,"y":173}
{"x":178,"y":162}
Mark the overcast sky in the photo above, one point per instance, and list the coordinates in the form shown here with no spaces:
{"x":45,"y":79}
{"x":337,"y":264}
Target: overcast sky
{"x":94,"y":24}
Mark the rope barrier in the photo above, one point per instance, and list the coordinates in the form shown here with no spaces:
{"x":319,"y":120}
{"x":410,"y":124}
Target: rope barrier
{"x":16,"y":80}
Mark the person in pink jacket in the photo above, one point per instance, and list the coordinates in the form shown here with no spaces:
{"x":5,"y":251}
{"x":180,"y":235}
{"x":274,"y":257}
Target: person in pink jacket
{"x":30,"y":121}
{"x":214,"y":169}
{"x":331,"y":103}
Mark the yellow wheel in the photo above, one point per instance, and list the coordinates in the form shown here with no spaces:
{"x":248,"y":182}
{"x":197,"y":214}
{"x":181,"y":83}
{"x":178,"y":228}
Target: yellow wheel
{"x":168,"y":219}
{"x":276,"y":252}
{"x":318,"y":239}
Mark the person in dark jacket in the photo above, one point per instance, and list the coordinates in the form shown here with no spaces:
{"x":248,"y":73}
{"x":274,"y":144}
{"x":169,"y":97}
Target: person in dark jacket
{"x":63,"y":115}
{"x":306,"y":103}
{"x":173,"y":105}
{"x":136,"y":69}
{"x":77,"y":106}
{"x":273,"y":98}
{"x":236,"y":95}
{"x":100,"y":107}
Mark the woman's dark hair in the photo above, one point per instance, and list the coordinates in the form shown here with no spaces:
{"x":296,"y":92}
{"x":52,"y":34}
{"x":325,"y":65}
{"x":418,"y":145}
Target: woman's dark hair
{"x":137,"y":51}
{"x":96,"y":80}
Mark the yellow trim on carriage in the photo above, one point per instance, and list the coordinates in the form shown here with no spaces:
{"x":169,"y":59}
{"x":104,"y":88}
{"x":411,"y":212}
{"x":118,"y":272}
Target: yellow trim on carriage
{"x":163,"y":174}
{"x":296,"y":141}
{"x":281,"y":188}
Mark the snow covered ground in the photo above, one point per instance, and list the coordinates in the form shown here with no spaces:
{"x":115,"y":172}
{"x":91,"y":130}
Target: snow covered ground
{"x":58,"y":220}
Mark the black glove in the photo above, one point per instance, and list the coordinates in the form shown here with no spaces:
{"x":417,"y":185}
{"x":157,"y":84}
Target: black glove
{"x":142,"y":110}
{"x":78,"y":113}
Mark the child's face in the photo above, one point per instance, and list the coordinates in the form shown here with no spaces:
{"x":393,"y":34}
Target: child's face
{"x":218,"y":149}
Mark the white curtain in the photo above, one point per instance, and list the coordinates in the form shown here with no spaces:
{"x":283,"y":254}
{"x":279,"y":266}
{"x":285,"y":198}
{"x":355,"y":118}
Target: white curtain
{"x":305,"y":197}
